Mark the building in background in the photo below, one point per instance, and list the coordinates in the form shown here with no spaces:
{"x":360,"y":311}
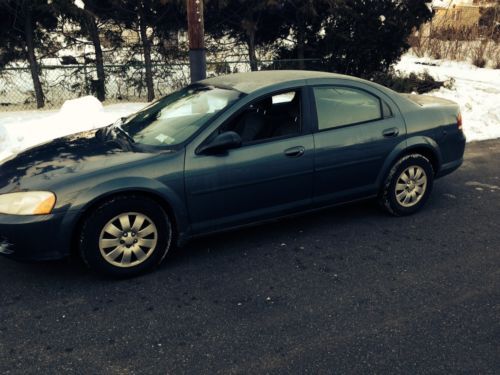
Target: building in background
{"x":457,"y":14}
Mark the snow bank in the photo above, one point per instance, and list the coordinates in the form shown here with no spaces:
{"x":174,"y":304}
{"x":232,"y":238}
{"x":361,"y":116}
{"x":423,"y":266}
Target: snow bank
{"x":4,"y":138}
{"x":477,"y":90}
{"x":22,"y":130}
{"x":442,"y":3}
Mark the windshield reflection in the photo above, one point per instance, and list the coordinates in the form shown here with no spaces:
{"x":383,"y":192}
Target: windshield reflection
{"x":173,"y":119}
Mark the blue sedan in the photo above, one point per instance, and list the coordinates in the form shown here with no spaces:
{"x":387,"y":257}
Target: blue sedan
{"x":222,"y":153}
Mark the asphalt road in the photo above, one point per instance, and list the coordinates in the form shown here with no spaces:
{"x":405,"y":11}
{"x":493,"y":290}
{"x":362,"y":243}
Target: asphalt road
{"x":346,"y":290}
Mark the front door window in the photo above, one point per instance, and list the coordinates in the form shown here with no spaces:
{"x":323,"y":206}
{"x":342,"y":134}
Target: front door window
{"x":274,"y":116}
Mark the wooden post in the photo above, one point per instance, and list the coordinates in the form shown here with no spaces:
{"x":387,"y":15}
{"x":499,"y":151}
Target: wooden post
{"x":196,"y":32}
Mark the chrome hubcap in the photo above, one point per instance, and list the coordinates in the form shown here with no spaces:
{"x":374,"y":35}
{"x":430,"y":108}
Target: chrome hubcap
{"x":128,"y":239}
{"x":411,"y":186}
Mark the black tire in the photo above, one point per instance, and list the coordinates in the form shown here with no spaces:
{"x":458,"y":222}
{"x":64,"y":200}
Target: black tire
{"x":93,"y":232}
{"x":388,"y":198}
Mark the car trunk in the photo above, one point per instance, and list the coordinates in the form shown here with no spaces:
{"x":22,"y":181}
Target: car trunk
{"x":430,"y":101}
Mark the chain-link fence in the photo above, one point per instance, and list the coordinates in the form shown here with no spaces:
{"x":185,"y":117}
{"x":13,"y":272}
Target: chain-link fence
{"x":124,"y":83}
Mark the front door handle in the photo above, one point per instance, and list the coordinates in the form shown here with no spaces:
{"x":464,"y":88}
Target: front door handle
{"x":295,"y":152}
{"x":392,"y":132}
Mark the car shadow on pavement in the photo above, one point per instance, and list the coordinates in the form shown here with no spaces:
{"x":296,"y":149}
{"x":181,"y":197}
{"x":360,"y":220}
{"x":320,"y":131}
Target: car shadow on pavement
{"x":322,"y":225}
{"x":273,"y":233}
{"x":65,"y":268}
{"x":278,"y":233}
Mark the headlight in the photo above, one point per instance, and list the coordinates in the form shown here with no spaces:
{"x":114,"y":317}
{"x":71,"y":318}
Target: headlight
{"x":27,"y":203}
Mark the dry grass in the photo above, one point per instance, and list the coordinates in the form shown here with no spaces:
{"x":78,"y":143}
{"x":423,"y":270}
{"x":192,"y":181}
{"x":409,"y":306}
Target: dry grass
{"x":473,"y":45}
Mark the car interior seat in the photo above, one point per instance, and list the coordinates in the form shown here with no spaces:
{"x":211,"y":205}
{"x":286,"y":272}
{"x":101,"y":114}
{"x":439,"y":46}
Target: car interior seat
{"x":288,"y":121}
{"x":252,"y":124}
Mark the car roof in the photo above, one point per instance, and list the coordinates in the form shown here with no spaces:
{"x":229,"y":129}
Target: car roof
{"x":253,"y":81}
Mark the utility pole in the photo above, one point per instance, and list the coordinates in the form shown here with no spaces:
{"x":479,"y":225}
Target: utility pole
{"x":196,"y":32}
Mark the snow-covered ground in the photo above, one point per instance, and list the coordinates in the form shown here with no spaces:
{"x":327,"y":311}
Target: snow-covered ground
{"x":476,"y":90}
{"x":21,"y":130}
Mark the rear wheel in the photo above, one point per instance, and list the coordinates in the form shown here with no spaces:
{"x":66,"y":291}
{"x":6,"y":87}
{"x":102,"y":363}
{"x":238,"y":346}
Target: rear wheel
{"x":408,"y":185}
{"x":125,"y":236}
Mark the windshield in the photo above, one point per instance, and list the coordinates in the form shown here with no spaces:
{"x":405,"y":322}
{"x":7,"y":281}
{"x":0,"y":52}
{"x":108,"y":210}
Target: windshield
{"x":173,"y":119}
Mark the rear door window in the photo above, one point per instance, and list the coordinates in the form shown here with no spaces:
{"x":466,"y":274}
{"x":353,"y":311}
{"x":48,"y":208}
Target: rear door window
{"x":341,"y":106}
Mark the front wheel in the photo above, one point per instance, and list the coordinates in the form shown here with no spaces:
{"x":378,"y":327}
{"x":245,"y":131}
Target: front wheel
{"x":408,"y":185}
{"x":125,"y":236}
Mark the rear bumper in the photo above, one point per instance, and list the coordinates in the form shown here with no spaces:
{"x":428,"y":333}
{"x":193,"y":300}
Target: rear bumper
{"x":32,"y":237}
{"x":454,"y":148}
{"x":449,"y":167}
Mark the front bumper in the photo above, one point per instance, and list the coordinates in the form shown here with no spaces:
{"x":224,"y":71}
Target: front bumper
{"x":32,"y":237}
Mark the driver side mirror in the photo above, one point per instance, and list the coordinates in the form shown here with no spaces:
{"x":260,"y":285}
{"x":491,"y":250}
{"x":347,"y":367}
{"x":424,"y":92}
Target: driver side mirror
{"x":221,"y":143}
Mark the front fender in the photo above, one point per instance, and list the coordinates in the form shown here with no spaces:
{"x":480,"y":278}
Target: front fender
{"x":122,"y":185}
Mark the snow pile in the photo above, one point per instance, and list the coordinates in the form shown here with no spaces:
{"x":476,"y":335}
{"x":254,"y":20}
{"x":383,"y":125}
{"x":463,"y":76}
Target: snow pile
{"x":442,"y":3}
{"x":476,"y":90}
{"x":22,"y":130}
{"x":3,"y":136}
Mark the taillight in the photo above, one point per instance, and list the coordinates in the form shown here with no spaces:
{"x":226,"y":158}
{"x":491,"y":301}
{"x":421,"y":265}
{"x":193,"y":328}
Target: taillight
{"x":459,"y":121}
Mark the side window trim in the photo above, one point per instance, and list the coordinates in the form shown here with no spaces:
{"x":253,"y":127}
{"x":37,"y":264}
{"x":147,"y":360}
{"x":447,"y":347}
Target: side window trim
{"x":387,"y":111}
{"x":314,"y":108}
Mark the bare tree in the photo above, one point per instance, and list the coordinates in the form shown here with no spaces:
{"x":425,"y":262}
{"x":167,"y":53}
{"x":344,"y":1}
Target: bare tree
{"x":24,"y":24}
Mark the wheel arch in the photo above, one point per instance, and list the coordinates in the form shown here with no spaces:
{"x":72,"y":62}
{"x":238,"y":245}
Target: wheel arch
{"x":424,"y":146}
{"x":90,"y":200}
{"x":429,"y":153}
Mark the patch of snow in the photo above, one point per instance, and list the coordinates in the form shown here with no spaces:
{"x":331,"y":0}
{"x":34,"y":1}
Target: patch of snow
{"x":482,"y":185}
{"x":22,"y":130}
{"x":4,"y":137}
{"x":476,"y":90}
{"x":80,"y":4}
{"x":442,"y":3}
{"x":81,"y":106}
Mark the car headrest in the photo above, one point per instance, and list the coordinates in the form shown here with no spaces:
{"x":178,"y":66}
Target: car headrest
{"x":264,"y":105}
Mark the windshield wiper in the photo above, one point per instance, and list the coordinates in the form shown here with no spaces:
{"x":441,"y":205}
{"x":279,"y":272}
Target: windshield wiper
{"x":116,"y":129}
{"x":116,"y":133}
{"x":123,"y":132}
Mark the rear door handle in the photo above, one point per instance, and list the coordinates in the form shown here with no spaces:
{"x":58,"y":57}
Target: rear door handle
{"x":295,"y":152}
{"x":392,"y":132}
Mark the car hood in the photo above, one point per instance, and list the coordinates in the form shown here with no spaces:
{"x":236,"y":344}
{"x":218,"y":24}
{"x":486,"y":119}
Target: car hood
{"x":63,"y":158}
